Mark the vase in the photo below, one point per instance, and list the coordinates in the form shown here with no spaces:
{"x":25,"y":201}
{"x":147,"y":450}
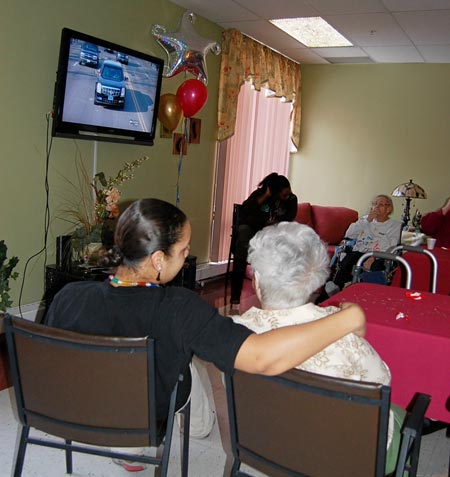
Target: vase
{"x":107,"y":233}
{"x":89,"y":245}
{"x":92,"y":252}
{"x":86,"y":245}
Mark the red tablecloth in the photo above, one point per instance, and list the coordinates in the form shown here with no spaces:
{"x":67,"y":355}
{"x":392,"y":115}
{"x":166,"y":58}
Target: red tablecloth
{"x":421,"y":271}
{"x":416,"y":347}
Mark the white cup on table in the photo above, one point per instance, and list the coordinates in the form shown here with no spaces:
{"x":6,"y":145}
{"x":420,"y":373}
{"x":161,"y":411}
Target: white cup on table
{"x":431,"y":242}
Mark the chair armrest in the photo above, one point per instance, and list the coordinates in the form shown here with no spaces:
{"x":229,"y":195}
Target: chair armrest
{"x":414,"y":419}
{"x":408,"y":456}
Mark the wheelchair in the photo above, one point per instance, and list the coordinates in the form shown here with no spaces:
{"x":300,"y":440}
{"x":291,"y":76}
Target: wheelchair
{"x":392,"y":259}
{"x":383,"y":274}
{"x":382,"y":277}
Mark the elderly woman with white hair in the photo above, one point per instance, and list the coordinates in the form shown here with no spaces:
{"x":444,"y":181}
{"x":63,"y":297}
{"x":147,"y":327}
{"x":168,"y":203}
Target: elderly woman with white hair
{"x":289,"y":263}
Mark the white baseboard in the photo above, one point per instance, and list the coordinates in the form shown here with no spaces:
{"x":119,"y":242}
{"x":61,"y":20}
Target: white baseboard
{"x":31,"y":311}
{"x":210,"y":270}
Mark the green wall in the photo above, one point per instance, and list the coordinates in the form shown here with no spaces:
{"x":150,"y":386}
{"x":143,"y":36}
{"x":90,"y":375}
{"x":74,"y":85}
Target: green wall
{"x":29,"y":41}
{"x":368,"y":128}
{"x":365,"y":128}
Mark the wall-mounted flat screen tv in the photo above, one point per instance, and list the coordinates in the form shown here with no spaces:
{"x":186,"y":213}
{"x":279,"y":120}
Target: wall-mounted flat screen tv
{"x":105,"y":91}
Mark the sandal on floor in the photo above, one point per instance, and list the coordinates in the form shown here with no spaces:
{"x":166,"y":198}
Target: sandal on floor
{"x":130,"y":466}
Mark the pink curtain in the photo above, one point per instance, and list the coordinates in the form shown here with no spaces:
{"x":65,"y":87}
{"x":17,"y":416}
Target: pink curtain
{"x":259,"y":146}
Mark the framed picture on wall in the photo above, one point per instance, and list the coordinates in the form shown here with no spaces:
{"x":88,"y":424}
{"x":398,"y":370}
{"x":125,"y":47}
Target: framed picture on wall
{"x":179,"y":144}
{"x":195,"y":126}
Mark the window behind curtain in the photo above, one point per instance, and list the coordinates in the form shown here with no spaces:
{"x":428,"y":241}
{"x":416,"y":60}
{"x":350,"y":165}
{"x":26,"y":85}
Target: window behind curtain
{"x":259,"y":146}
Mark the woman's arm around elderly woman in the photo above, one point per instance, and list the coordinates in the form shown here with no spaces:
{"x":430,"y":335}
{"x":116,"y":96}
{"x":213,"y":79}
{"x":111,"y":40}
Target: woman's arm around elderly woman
{"x":279,"y":350}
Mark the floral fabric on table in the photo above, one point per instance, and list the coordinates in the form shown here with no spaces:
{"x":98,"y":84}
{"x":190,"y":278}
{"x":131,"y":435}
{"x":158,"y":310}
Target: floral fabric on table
{"x":244,"y":59}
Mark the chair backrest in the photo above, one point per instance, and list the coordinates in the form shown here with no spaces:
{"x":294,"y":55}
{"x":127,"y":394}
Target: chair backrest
{"x":305,"y":424}
{"x":235,"y":226}
{"x":91,"y":389}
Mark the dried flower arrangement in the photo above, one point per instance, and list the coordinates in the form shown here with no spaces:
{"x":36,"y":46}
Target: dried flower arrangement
{"x":97,"y":203}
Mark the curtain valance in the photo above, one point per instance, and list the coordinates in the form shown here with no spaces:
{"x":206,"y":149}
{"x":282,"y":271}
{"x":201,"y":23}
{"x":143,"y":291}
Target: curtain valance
{"x":244,"y":59}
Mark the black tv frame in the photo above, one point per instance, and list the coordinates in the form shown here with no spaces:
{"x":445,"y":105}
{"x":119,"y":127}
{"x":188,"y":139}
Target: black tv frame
{"x":81,"y":128}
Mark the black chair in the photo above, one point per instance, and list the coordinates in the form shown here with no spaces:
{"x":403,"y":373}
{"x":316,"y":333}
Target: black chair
{"x":94,"y":390}
{"x":234,"y":234}
{"x":305,"y":424}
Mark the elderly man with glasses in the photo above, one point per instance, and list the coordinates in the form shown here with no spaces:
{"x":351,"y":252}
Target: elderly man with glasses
{"x":375,"y":231}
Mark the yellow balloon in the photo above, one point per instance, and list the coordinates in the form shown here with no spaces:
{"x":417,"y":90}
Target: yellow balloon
{"x":169,"y":112}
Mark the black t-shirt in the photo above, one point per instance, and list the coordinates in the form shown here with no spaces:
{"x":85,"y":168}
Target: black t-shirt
{"x":179,"y":321}
{"x":258,"y":216}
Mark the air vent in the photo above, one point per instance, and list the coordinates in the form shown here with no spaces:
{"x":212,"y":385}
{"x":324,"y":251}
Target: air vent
{"x":350,"y":59}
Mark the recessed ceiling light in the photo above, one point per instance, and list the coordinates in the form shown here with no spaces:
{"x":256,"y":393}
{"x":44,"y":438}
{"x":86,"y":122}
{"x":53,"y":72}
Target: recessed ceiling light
{"x":313,"y":32}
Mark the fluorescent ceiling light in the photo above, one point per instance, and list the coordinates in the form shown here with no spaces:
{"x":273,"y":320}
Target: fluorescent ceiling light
{"x":313,"y":32}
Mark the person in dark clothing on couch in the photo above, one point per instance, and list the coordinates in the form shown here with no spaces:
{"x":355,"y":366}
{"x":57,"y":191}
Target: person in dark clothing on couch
{"x":272,"y":202}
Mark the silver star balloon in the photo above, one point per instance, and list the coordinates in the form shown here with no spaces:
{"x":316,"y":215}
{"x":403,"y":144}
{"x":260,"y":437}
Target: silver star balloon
{"x":186,"y":50}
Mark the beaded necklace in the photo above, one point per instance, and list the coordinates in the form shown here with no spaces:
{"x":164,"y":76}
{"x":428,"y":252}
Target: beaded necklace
{"x":124,"y":283}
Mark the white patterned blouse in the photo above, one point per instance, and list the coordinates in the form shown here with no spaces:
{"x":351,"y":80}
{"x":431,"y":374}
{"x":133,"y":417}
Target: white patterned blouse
{"x":351,"y":357}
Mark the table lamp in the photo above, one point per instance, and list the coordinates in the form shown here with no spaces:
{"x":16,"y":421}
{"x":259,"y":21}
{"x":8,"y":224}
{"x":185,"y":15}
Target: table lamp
{"x":409,"y":191}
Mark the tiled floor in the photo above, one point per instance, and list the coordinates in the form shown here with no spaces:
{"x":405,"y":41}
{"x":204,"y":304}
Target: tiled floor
{"x":209,"y":457}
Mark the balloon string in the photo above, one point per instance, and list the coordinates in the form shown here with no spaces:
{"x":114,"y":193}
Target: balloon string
{"x":180,"y":162}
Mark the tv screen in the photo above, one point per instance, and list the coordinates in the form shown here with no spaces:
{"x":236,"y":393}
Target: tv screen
{"x":105,"y":91}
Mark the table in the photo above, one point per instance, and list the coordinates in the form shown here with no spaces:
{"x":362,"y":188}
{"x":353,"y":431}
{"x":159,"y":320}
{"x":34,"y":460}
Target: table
{"x":56,"y":278}
{"x":416,"y":347}
{"x":421,"y":271}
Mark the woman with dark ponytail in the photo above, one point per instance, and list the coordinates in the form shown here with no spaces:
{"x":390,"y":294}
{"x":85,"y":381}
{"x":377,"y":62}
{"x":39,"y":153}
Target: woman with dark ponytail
{"x":148,"y":226}
{"x":152,"y":240}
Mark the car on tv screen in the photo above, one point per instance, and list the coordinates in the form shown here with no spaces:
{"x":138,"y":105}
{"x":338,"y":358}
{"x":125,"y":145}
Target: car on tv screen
{"x":110,"y":87}
{"x":122,"y":58}
{"x":89,"y":54}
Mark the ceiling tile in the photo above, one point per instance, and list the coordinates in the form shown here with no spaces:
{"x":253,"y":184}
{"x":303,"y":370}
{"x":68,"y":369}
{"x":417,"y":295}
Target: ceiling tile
{"x":305,"y":56}
{"x":350,"y":60}
{"x":435,"y":54}
{"x":415,"y":5}
{"x":215,"y":11}
{"x":347,"y":52}
{"x":371,"y":29}
{"x":279,"y":8}
{"x":426,"y":28}
{"x":337,"y":7}
{"x":397,"y":25}
{"x":394,"y":54}
{"x":265,"y":33}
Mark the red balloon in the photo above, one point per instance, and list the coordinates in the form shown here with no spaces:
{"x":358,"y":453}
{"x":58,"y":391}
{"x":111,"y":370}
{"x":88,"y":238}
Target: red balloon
{"x":192,"y":95}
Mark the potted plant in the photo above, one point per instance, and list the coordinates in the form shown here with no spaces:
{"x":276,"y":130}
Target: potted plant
{"x":96,"y":210}
{"x":6,"y":274}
